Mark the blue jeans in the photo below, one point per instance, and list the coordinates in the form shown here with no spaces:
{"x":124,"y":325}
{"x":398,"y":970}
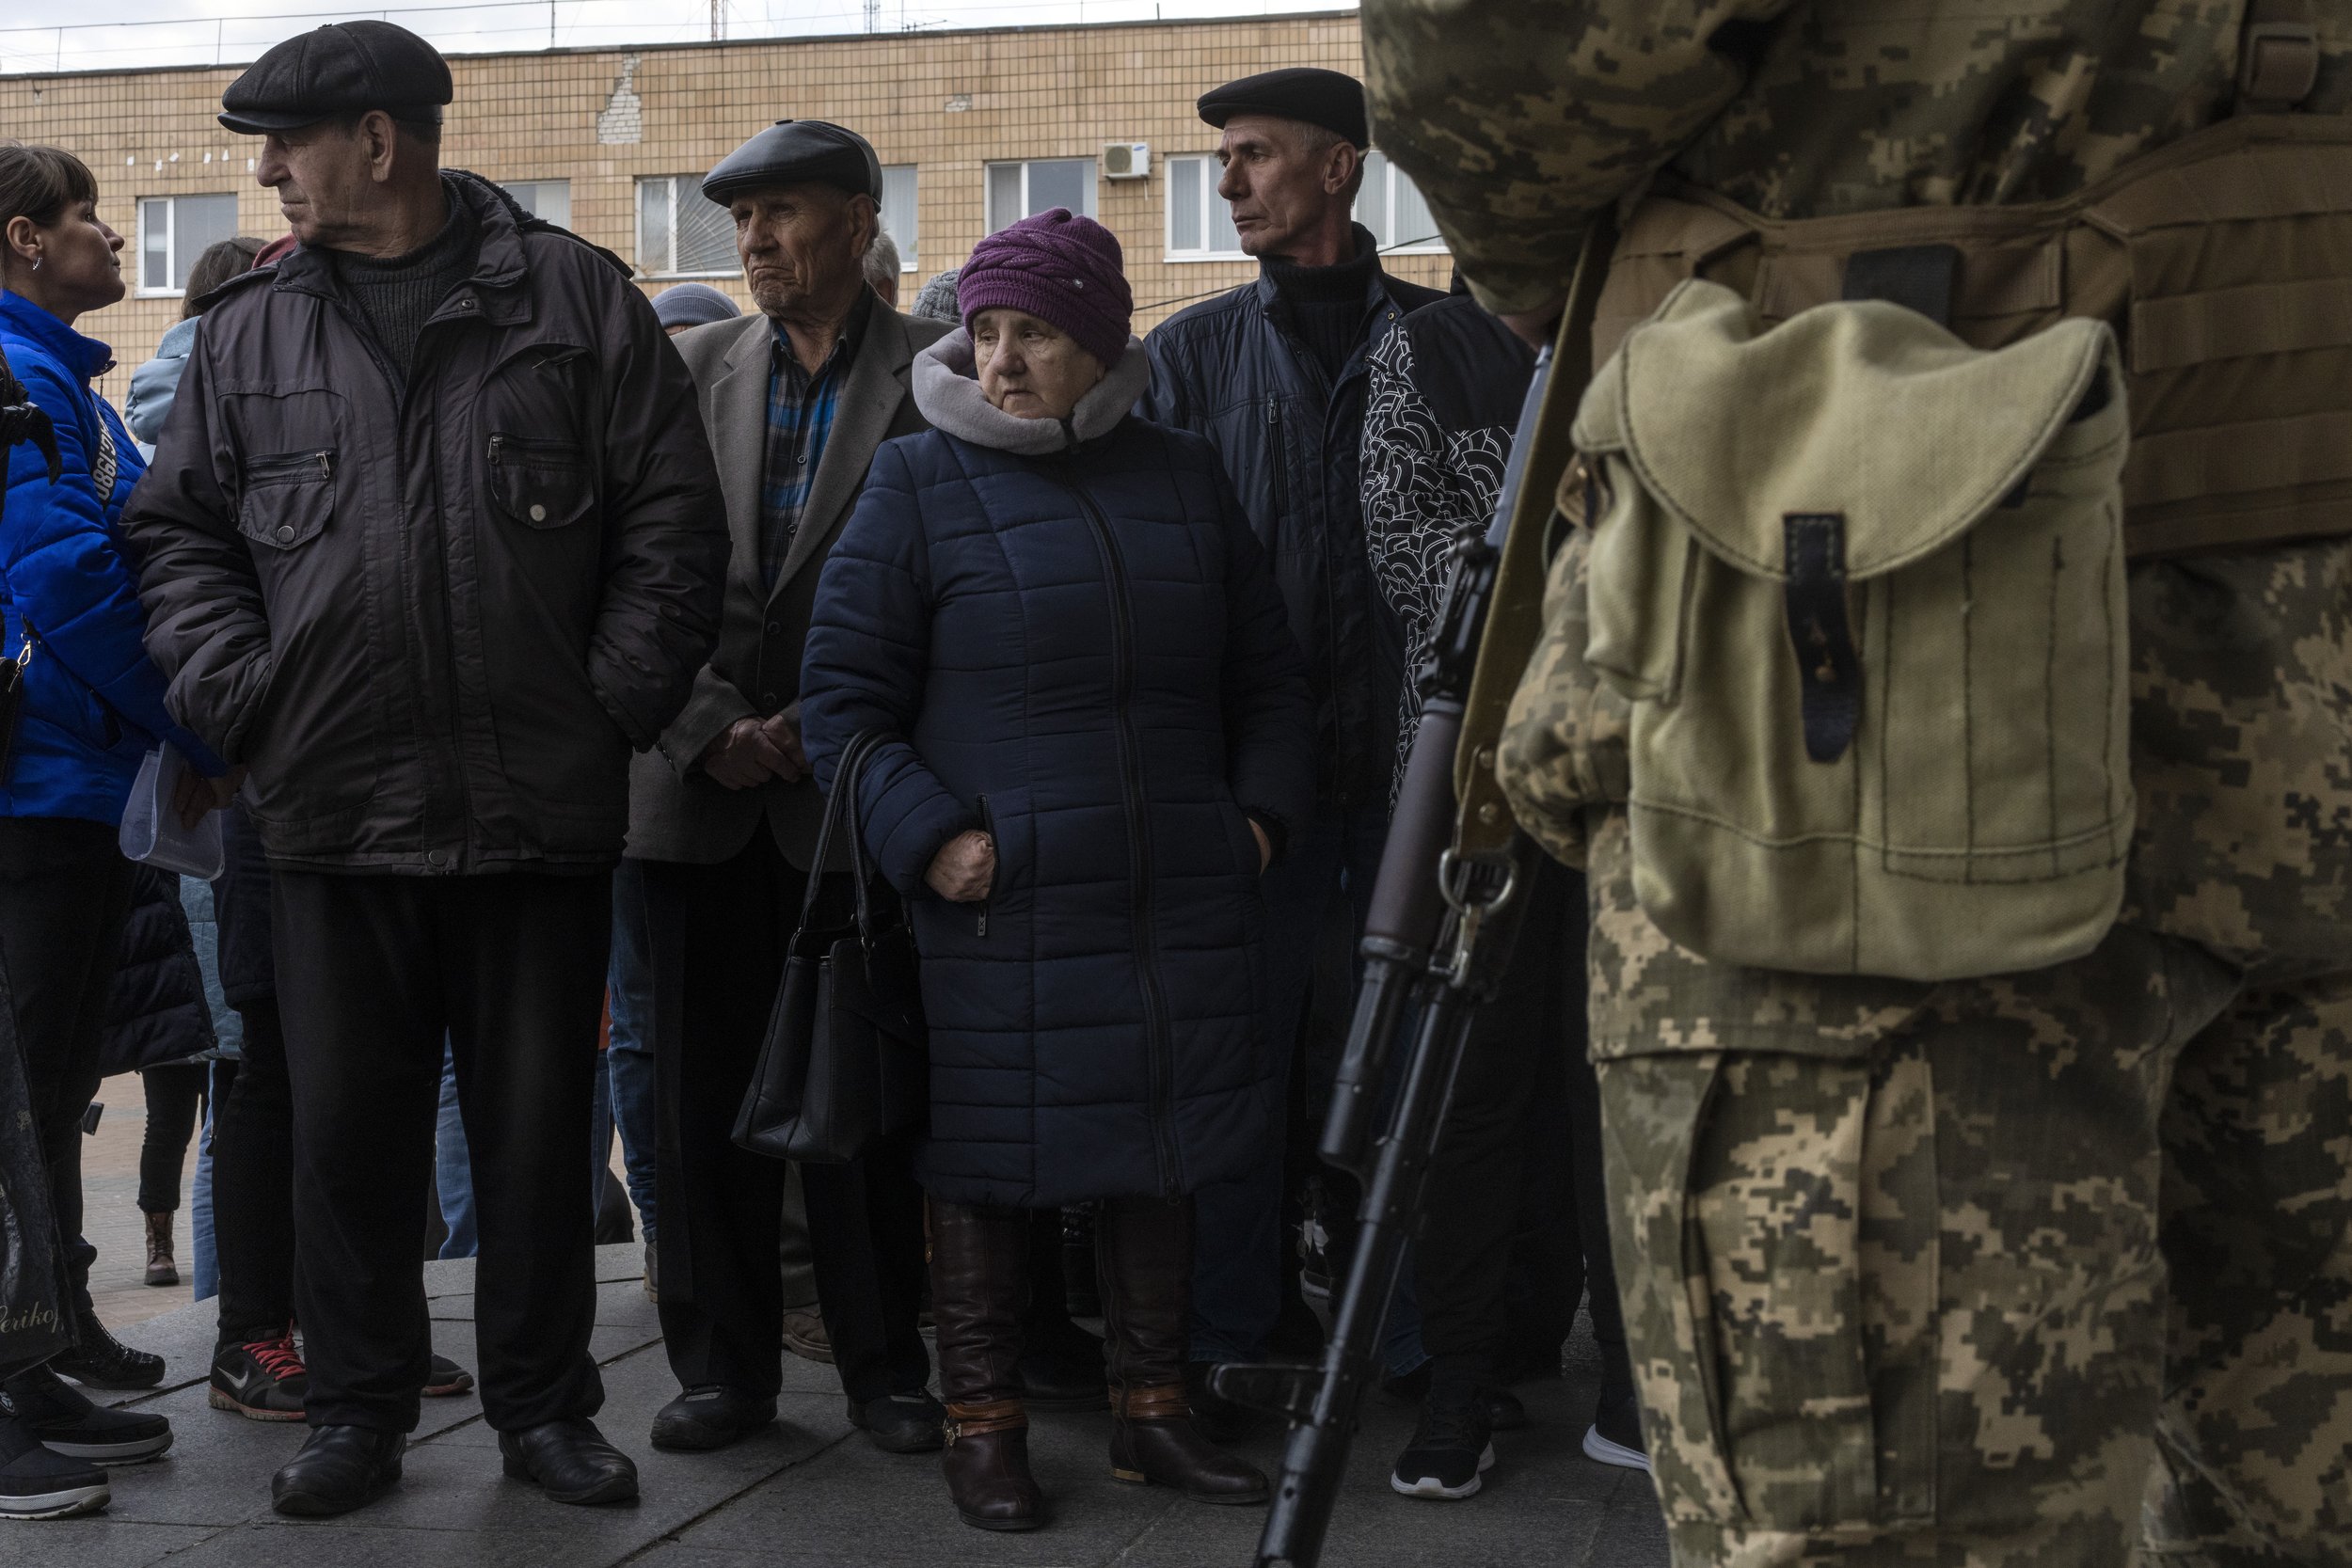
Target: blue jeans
{"x":628,"y":1061}
{"x":452,"y":1167}
{"x":1238,"y":1255}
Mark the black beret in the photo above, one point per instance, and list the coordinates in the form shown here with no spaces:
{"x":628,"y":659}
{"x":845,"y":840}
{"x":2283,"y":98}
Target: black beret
{"x":343,"y":68}
{"x":795,"y":153}
{"x":1325,"y":97}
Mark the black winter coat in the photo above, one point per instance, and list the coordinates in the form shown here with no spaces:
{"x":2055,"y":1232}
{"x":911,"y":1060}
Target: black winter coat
{"x":1088,"y":656}
{"x":1290,"y":437}
{"x":155,"y":1009}
{"x":434,"y":616}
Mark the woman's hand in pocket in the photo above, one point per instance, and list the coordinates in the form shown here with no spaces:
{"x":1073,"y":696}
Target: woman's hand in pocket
{"x":964,"y":869}
{"x":1265,"y":844}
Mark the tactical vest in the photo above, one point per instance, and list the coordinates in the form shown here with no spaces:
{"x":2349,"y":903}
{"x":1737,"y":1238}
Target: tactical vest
{"x":2223,"y":262}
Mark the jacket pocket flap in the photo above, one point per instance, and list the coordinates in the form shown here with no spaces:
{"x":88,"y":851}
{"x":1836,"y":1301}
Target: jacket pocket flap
{"x":1734,"y":428}
{"x":540,"y":482}
{"x":287,"y":497}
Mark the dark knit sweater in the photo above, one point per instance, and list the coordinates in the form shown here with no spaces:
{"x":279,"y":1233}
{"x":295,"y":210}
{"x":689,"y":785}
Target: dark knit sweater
{"x":1326,"y":304}
{"x":398,"y":295}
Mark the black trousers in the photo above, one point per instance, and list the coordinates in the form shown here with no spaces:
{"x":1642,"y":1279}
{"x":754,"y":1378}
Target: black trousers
{"x":65,"y":894}
{"x":174,"y":1095}
{"x":373,"y":971}
{"x":720,"y":934}
{"x":1499,"y":1169}
{"x":253,"y":1227}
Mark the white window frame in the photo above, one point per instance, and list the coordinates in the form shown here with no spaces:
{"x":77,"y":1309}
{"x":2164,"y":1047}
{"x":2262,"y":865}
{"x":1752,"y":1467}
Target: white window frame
{"x":1212,"y":171}
{"x":910,"y":242}
{"x":171,"y":253}
{"x":680,"y":185}
{"x":1391,"y":176}
{"x":988,"y":170}
{"x":508,"y":187}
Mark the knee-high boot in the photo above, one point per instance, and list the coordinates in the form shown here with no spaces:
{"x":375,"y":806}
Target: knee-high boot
{"x":980,"y":1267}
{"x":1143,"y":1251}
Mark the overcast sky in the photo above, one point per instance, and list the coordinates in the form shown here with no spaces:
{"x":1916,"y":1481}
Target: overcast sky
{"x":119,"y":33}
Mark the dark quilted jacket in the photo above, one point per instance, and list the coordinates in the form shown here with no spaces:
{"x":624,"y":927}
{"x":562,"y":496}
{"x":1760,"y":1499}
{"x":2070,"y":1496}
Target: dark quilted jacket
{"x":1089,"y":657}
{"x":1291,"y":437}
{"x":155,"y":1006}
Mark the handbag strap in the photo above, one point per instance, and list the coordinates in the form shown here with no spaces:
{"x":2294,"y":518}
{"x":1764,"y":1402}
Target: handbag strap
{"x":845,"y":781}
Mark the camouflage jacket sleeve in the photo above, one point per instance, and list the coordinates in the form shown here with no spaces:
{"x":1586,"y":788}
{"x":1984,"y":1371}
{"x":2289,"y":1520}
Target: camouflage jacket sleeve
{"x":1520,"y":119}
{"x":1565,"y":739}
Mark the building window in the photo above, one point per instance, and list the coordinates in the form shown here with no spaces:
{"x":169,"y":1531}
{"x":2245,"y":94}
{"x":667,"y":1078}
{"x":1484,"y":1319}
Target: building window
{"x":174,"y":231}
{"x":1017,"y":191}
{"x":1394,"y":210}
{"x":1200,"y":221}
{"x":682,"y":233}
{"x":898,"y":211}
{"x":551,"y":199}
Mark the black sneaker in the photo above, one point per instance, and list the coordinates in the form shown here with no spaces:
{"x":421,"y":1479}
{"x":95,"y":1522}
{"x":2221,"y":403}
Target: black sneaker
{"x":100,"y":1360}
{"x":263,"y":1380}
{"x":37,"y":1482}
{"x":1452,"y":1444}
{"x":446,"y":1380}
{"x":1615,"y":1436}
{"x":67,"y":1423}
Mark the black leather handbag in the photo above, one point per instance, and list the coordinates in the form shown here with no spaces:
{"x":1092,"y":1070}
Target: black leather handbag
{"x":845,"y":1063}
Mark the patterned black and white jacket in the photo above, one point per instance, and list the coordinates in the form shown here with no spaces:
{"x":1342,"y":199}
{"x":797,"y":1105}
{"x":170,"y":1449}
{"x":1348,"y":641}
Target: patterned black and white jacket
{"x":1443,"y":401}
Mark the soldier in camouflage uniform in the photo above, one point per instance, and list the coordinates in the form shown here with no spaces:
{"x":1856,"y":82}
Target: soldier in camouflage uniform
{"x":2052,"y":1268}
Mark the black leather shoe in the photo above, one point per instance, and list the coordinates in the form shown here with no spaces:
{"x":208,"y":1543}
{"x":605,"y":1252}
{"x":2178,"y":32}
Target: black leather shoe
{"x":570,"y":1461}
{"x":340,"y":1468}
{"x":902,"y":1423}
{"x":99,"y":1360}
{"x":701,"y":1419}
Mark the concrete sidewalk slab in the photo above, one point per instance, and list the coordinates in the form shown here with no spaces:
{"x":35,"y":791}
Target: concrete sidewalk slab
{"x":810,"y":1493}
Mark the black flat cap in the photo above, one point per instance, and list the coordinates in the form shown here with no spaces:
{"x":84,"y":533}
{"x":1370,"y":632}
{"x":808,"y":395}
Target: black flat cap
{"x":1324,"y":98}
{"x":343,"y":68}
{"x":798,"y":152}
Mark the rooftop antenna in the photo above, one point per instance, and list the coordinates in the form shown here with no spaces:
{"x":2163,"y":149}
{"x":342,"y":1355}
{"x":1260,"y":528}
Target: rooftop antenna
{"x":718,"y":21}
{"x":873,"y":16}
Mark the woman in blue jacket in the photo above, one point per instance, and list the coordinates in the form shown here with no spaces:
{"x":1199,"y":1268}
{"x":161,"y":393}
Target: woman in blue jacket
{"x":1100,"y":731}
{"x":92,"y":708}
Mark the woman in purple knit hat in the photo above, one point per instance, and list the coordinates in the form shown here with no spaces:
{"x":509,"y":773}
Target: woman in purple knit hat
{"x":1098,"y":731}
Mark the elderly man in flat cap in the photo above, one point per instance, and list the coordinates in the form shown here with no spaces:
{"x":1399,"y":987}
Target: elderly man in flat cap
{"x":723,"y":819}
{"x":1274,"y":374}
{"x":432,"y":542}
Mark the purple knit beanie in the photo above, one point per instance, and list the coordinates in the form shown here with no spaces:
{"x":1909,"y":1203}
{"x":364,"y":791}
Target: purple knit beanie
{"x":1059,"y":268}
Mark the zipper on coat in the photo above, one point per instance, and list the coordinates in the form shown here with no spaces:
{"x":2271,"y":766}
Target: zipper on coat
{"x":988,"y":826}
{"x":1280,"y":467}
{"x":1155,"y":1042}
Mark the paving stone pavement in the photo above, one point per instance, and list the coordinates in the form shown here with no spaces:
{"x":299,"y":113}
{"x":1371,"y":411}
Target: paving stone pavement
{"x":811,"y":1493}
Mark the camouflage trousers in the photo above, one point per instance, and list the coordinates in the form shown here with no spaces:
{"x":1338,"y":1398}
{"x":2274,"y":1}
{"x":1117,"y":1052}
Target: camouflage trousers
{"x":2052,"y":1268}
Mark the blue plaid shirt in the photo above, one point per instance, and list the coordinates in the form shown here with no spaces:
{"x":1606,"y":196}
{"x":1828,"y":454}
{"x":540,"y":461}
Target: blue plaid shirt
{"x":800,"y":419}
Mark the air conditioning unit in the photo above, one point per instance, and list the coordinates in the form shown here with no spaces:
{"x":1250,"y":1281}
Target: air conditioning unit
{"x":1126,"y":160}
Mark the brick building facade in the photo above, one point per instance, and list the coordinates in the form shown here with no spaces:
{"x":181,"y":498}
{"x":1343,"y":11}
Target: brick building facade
{"x":974,"y":127}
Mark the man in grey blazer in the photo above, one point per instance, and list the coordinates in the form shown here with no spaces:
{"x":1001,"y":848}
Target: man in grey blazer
{"x":723,"y":815}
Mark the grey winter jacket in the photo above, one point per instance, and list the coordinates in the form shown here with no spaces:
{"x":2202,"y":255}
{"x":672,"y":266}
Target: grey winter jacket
{"x":153,"y":383}
{"x":435,"y":619}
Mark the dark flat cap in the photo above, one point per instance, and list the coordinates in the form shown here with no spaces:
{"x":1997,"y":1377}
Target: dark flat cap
{"x":343,"y":68}
{"x":1324,"y":98}
{"x":798,"y":152}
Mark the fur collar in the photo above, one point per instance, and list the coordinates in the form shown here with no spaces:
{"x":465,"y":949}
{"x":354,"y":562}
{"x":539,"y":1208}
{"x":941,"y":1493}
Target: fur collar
{"x":947,"y":390}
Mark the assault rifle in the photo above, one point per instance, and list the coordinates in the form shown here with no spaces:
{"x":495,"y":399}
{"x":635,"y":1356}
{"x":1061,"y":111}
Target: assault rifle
{"x":1442,"y":921}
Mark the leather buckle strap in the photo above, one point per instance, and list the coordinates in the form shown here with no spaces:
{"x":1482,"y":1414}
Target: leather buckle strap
{"x":979,"y":1421}
{"x":2277,"y":62}
{"x":1154,"y":1401}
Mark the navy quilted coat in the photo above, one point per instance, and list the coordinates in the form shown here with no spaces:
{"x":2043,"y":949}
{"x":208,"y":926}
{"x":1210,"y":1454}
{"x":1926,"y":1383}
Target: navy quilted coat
{"x":1089,"y":657}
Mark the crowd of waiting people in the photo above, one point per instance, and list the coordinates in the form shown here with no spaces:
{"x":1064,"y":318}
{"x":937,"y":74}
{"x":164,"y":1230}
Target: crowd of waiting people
{"x":518,"y":626}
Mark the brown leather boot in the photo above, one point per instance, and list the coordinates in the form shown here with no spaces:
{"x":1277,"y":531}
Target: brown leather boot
{"x":1143,"y":1251}
{"x":161,"y":1267}
{"x":979,"y":1276}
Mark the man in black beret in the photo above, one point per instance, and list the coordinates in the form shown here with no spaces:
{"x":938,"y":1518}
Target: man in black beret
{"x":1274,"y":374}
{"x":723,"y":816}
{"x":430,"y":544}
